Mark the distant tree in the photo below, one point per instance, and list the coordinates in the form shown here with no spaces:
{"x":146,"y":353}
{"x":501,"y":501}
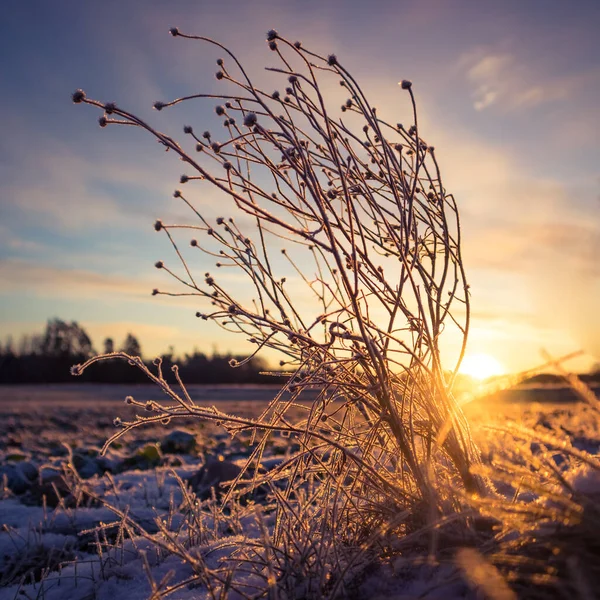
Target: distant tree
{"x":131,"y":346}
{"x":24,"y":345}
{"x":109,"y":345}
{"x":65,"y":339}
{"x":31,"y":344}
{"x":8,"y":348}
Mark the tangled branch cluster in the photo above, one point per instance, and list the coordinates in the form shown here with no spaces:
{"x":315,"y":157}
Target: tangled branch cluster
{"x":373,"y":275}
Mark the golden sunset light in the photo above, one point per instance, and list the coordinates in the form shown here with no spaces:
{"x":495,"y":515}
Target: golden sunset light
{"x":481,"y":366}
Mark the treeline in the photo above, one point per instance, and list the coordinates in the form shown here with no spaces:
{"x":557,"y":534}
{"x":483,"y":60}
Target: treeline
{"x":48,"y":357}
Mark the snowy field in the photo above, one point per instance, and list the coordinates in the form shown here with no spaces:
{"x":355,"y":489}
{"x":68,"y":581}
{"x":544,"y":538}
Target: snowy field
{"x":72,"y":534}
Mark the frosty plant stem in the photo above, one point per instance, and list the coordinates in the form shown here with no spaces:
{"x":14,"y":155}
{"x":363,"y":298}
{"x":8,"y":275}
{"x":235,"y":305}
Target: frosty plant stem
{"x":370,"y":276}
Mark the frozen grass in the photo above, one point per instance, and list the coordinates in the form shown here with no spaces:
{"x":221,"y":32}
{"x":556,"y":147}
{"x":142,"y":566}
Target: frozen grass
{"x":538,"y":532}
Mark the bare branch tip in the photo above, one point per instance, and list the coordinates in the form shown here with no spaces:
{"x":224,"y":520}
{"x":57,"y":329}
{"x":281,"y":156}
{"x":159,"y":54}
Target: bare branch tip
{"x":78,"y":96}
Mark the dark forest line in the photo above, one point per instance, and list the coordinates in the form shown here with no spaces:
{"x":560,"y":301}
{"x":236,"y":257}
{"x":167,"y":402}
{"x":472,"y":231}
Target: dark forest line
{"x":48,"y":358}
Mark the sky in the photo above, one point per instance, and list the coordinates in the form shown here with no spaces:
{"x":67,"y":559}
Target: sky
{"x":507,"y":92}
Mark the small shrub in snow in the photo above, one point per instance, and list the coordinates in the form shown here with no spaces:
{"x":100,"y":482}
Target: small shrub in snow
{"x":350,"y":245}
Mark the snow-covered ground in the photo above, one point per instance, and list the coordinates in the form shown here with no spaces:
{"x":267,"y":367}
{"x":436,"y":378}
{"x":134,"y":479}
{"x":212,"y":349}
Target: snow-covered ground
{"x":75,"y":536}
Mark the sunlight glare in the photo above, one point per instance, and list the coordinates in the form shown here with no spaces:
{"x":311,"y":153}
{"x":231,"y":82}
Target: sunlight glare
{"x":481,"y":366}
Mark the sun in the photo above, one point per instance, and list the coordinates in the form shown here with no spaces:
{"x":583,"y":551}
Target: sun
{"x":481,"y":366}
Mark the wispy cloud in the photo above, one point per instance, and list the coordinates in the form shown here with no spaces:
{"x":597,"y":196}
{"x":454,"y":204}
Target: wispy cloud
{"x":504,"y":80}
{"x":19,"y":275}
{"x":13,"y":241}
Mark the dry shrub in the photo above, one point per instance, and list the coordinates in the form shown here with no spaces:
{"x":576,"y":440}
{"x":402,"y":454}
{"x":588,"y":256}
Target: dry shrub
{"x":369,"y":279}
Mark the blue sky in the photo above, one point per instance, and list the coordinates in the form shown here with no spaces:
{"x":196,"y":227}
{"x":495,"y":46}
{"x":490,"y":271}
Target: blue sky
{"x":508,"y":94}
